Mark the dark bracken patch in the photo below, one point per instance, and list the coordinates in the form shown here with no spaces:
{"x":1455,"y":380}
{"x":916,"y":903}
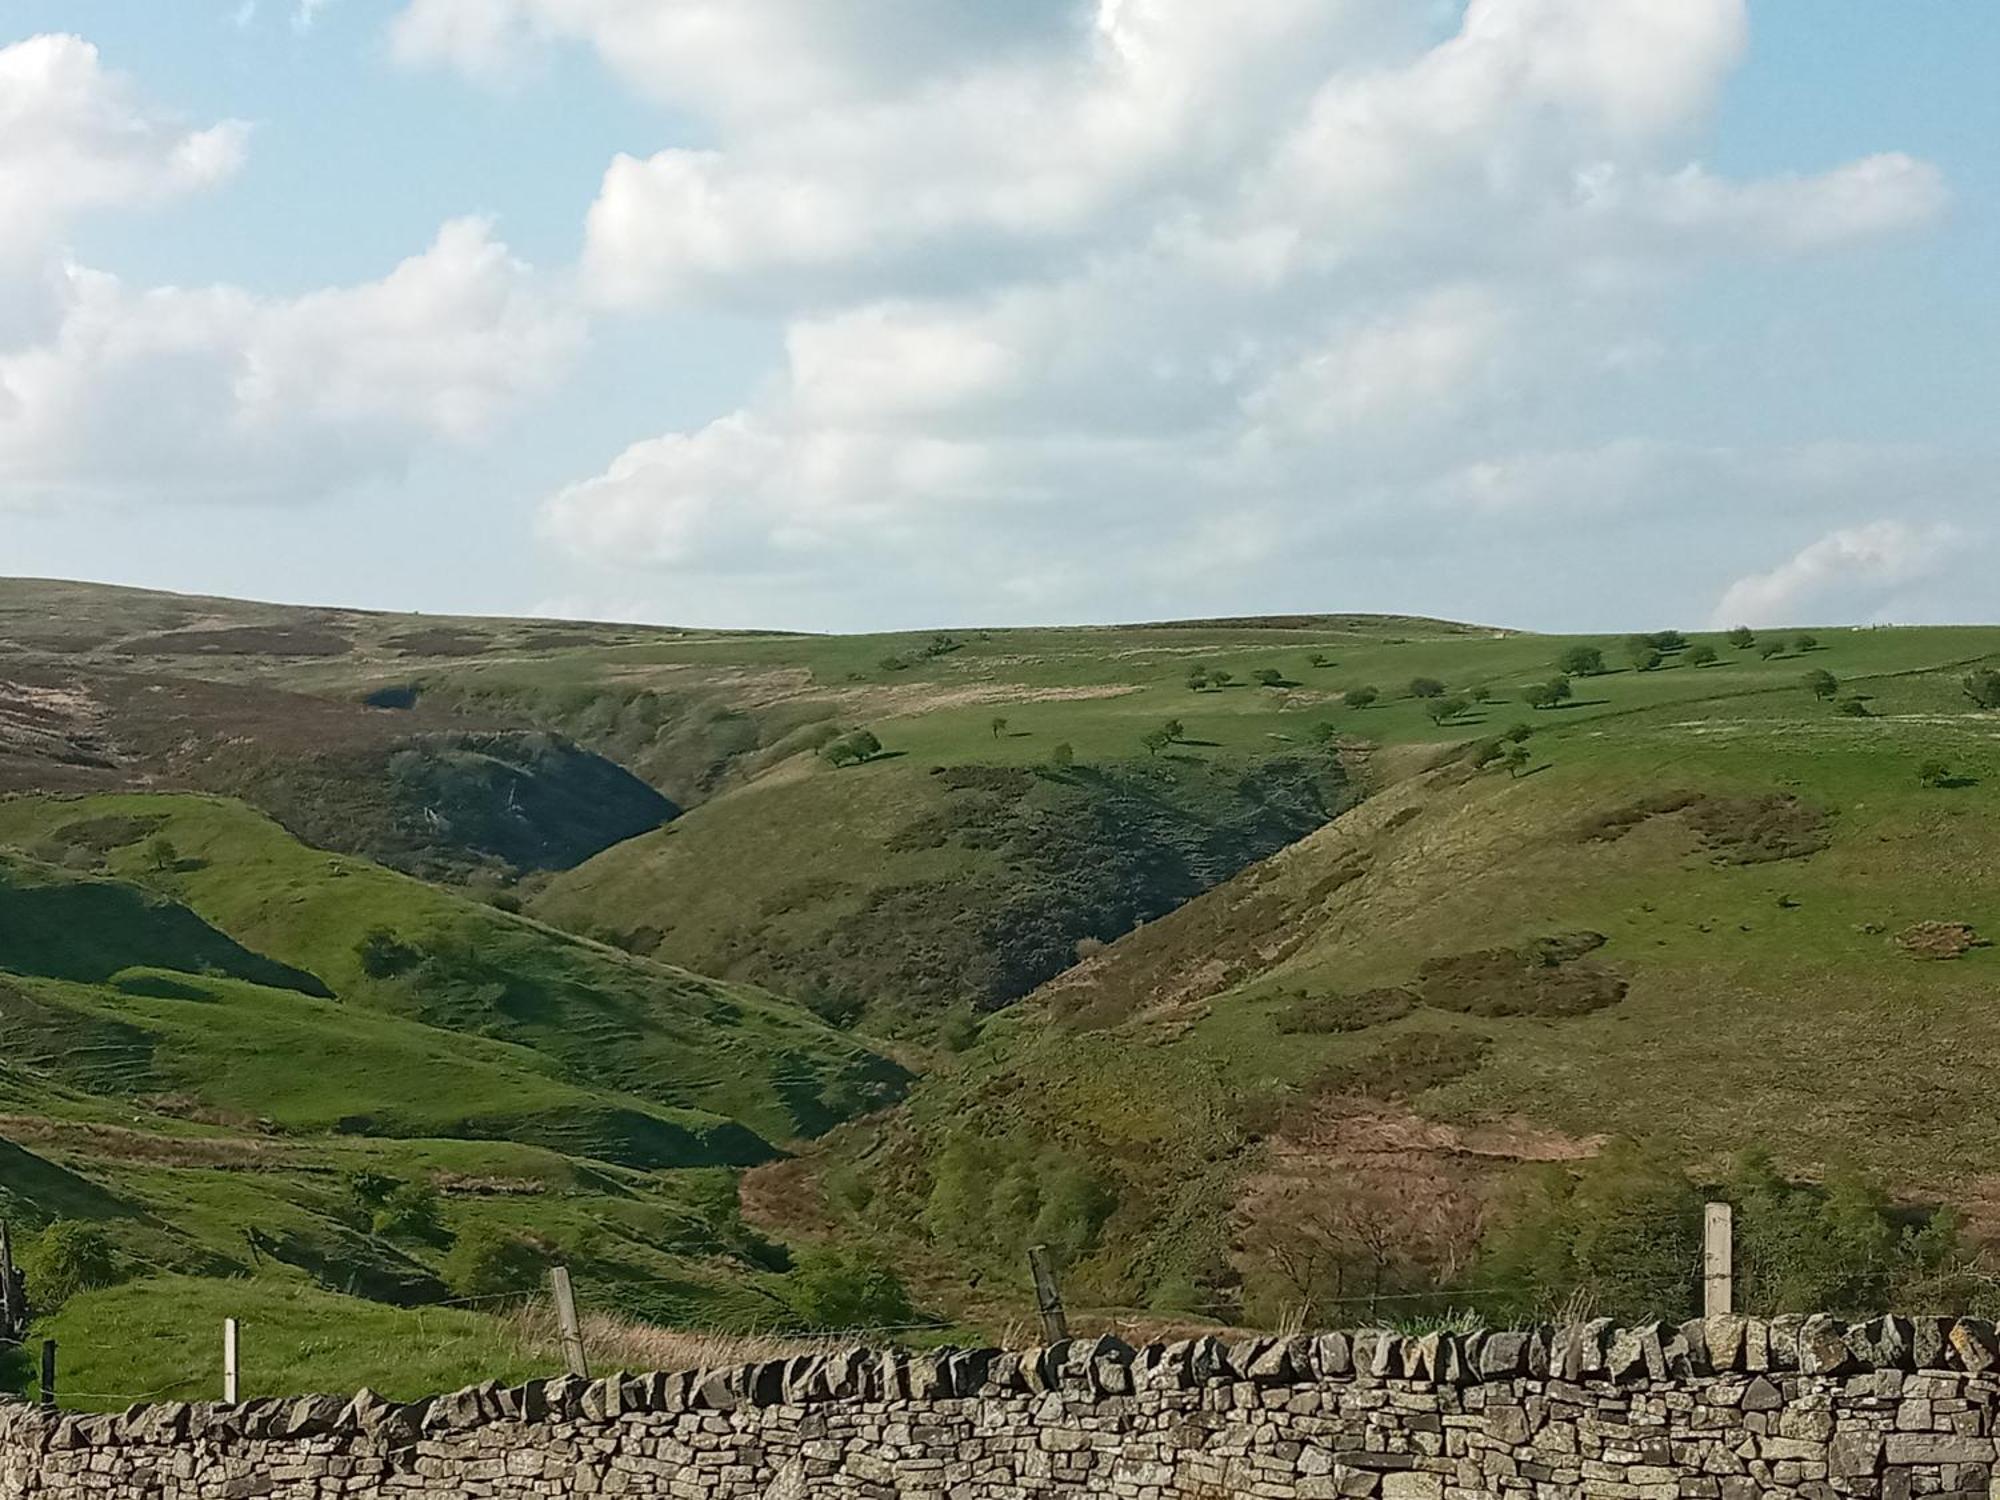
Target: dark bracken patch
{"x":1326,"y":1015}
{"x":1549,"y":977}
{"x":439,"y":642}
{"x":1406,"y":1065}
{"x":1741,"y":830}
{"x":244,"y":640}
{"x":1756,"y":830}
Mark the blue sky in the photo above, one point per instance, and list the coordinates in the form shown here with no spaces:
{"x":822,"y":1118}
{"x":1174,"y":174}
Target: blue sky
{"x":1557,"y":313}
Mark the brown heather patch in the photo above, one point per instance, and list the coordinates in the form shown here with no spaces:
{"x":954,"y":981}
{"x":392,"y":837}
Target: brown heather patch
{"x":1735,"y":830}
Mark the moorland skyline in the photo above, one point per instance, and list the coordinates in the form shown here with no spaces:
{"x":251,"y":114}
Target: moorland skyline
{"x":753,"y":313}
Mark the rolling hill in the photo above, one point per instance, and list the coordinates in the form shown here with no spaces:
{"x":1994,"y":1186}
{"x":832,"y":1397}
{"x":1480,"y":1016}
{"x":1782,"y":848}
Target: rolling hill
{"x":1148,"y":942}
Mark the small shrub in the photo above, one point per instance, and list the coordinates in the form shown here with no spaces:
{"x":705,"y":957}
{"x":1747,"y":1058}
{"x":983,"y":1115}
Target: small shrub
{"x":68,"y":1258}
{"x":383,"y":955}
{"x":412,"y":1211}
{"x":487,"y":1262}
{"x":838,"y":1288}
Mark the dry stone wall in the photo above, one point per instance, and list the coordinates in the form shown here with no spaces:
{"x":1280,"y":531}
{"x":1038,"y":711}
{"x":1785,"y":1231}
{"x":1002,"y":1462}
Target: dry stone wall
{"x":1717,"y":1409}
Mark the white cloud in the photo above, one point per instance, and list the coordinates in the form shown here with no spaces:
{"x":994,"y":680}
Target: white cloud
{"x":1852,"y":573}
{"x":215,"y":393}
{"x":1188,"y":285}
{"x":75,"y":136}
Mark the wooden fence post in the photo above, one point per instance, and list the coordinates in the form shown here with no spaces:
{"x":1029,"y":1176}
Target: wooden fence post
{"x":13,"y":1317}
{"x":1048,"y":1294}
{"x":231,"y":1383}
{"x":566,"y":1319}
{"x":1717,"y":1261}
{"x":49,"y":1374}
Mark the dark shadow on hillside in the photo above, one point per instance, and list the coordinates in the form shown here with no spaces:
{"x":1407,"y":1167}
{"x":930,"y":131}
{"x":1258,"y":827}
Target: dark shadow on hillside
{"x":59,"y":927}
{"x":33,"y":1185}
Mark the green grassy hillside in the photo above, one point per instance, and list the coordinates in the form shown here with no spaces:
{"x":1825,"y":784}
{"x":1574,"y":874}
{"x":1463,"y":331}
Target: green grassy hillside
{"x":387,"y":944}
{"x":1323,"y":925}
{"x":1712,"y":911}
{"x":320,"y":1081}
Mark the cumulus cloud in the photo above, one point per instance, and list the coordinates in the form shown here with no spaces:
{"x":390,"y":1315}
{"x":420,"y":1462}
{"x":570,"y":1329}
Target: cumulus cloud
{"x":1857,"y":572}
{"x":1198,"y":287}
{"x":75,"y":136}
{"x":212,"y":392}
{"x":109,"y":390}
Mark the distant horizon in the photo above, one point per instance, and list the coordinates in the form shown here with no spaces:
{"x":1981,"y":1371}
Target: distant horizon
{"x":1252,"y":619}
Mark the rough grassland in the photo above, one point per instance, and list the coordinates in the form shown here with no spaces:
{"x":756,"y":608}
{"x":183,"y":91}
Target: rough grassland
{"x":1749,"y":856}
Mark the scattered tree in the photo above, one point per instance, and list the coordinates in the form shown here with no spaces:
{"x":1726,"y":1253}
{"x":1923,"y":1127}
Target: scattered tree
{"x":1933,"y":773}
{"x":1217,"y":677}
{"x":1701,"y":656}
{"x":1821,"y":683}
{"x":1197,"y":680}
{"x":1323,"y":733}
{"x":1742,"y":637}
{"x":1645,"y":657}
{"x":1667,"y":640}
{"x":1270,"y":677}
{"x":1581,"y":661}
{"x":1485,"y":752}
{"x":1983,"y":687}
{"x":998,"y":726}
{"x":1806,"y":643}
{"x":1443,"y":710}
{"x":1770,"y":649}
{"x":1515,"y":759}
{"x":1547,"y":694}
{"x":1853,"y":707}
{"x":1176,"y":731}
{"x":852,"y":749}
{"x":162,"y":857}
{"x":1155,"y":740}
{"x":1360,"y":697}
{"x":1519,"y":734}
{"x":1426,"y":687}
{"x":1063,"y":756}
{"x":1319,"y":659}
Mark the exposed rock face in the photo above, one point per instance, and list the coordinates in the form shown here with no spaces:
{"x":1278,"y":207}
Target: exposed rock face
{"x":1716,"y":1409}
